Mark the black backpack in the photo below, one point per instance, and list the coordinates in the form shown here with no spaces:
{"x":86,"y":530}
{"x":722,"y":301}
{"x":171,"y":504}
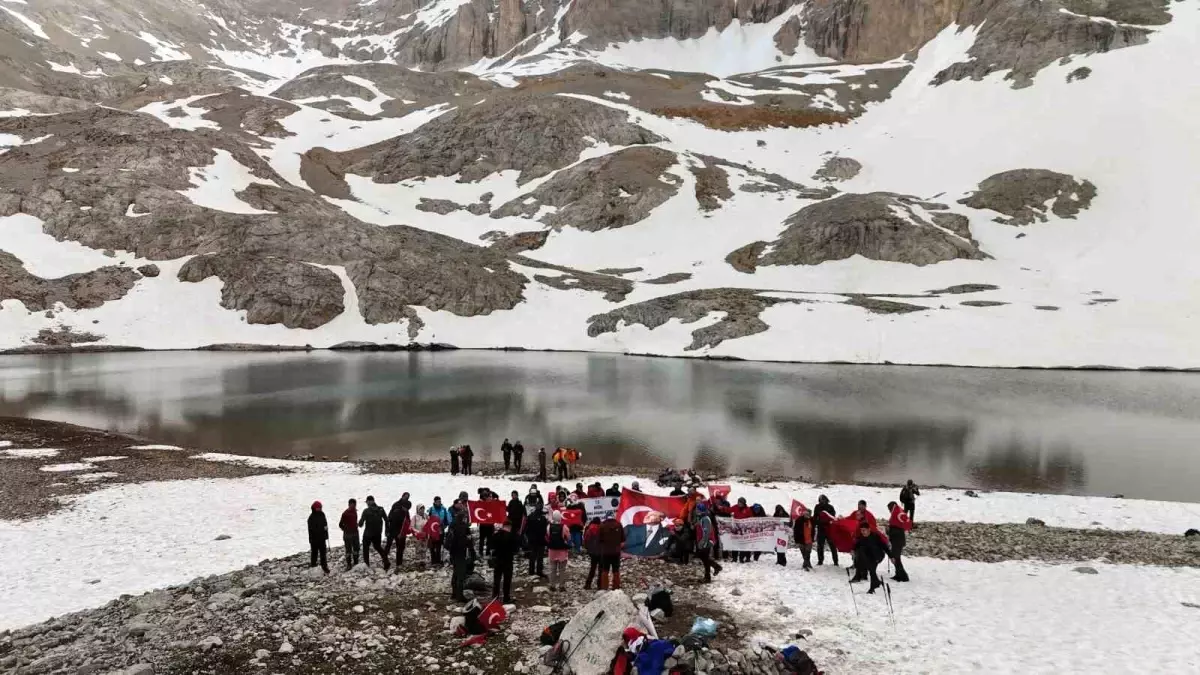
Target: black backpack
{"x":551,"y":633}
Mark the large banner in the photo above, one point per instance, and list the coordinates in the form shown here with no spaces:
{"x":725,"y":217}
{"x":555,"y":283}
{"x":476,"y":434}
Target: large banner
{"x":645,"y":519}
{"x":601,"y":507}
{"x":757,"y":535}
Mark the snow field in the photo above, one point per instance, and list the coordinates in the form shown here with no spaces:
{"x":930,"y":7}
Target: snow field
{"x":120,"y":530}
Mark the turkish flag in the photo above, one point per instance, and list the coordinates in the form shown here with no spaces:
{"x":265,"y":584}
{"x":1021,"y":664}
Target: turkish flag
{"x":492,"y":512}
{"x":433,"y":528}
{"x":635,"y":505}
{"x":843,"y":531}
{"x":493,"y":614}
{"x":715,"y":491}
{"x":798,"y":508}
{"x":900,"y":519}
{"x":572,"y":517}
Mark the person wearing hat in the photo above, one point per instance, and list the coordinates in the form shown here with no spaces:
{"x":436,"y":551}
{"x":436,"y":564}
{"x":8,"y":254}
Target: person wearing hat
{"x":318,"y":537}
{"x":823,"y":516}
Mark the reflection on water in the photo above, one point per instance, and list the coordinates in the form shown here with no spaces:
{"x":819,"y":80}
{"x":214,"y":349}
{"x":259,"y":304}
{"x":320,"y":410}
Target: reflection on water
{"x":1098,"y":433}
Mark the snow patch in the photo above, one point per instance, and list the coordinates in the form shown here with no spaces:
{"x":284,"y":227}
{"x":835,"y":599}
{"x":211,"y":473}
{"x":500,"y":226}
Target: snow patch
{"x":216,"y":185}
{"x":63,"y":468}
{"x":29,"y":453}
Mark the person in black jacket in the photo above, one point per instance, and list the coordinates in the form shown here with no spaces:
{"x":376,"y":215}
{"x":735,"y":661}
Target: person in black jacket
{"x":318,"y":537}
{"x":823,"y":506}
{"x":504,"y":548}
{"x":458,"y":543}
{"x":467,"y":455}
{"x":542,"y":464}
{"x":869,"y":550}
{"x":506,"y":449}
{"x":454,"y":455}
{"x":518,"y":454}
{"x":535,"y":541}
{"x":908,"y":497}
{"x":372,"y":521}
{"x":516,"y":511}
{"x":397,"y":530}
{"x":614,"y":491}
{"x":485,"y":531}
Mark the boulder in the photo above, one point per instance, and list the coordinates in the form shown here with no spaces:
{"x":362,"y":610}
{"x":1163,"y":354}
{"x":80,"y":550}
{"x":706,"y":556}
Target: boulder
{"x":1035,"y":521}
{"x":594,"y":633}
{"x":1193,"y":532}
{"x":1086,"y":570}
{"x":1023,"y":195}
{"x":877,"y":225}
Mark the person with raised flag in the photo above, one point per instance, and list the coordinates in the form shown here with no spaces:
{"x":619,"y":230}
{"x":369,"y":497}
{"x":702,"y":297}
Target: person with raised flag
{"x":825,"y":514}
{"x":432,"y":533}
{"x":781,"y":552}
{"x":898,"y":527}
{"x":487,"y":526}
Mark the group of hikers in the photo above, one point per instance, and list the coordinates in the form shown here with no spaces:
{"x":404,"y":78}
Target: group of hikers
{"x":542,"y":534}
{"x":563,"y":460}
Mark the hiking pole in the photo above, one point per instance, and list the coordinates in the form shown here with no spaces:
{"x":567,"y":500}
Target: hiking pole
{"x":578,"y":642}
{"x":852,"y":598}
{"x":887,"y":594}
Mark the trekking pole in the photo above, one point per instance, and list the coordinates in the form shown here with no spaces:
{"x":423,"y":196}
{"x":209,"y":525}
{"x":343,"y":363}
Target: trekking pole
{"x":852,"y":598}
{"x":887,"y":594}
{"x":579,"y":641}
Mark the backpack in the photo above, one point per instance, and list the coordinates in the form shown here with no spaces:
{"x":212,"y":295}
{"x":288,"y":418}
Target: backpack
{"x":905,"y":494}
{"x":559,"y":538}
{"x":796,"y":660}
{"x":551,"y":633}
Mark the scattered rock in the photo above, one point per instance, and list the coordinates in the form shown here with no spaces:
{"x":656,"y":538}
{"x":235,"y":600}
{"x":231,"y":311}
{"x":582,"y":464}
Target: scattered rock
{"x":286,"y":648}
{"x":150,"y":271}
{"x":1035,"y":521}
{"x":970,"y":493}
{"x":222,"y":537}
{"x":1023,"y":194}
{"x":1086,"y":570}
{"x":1193,"y":532}
{"x":838,"y":169}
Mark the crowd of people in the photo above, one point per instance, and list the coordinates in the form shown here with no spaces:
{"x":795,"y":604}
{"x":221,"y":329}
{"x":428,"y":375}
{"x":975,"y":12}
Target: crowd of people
{"x":555,"y":529}
{"x":563,"y":460}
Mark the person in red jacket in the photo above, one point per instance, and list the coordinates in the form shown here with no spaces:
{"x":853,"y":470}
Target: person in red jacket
{"x":349,"y":527}
{"x":594,"y":490}
{"x":591,"y":544}
{"x":612,"y":541}
{"x":741,"y":510}
{"x":898,"y":526}
{"x":863,"y":514}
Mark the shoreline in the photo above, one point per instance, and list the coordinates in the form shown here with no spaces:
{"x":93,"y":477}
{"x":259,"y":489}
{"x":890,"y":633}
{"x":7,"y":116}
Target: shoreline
{"x":39,"y":350}
{"x":50,"y":432}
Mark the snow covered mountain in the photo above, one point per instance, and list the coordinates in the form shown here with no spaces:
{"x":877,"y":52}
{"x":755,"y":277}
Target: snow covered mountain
{"x":974,"y":182}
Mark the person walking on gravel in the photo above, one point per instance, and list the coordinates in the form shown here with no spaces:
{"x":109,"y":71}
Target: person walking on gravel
{"x":459,"y":544}
{"x":558,"y":542}
{"x":349,"y":526}
{"x":505,"y":546}
{"x":373,"y":518}
{"x":318,"y":537}
{"x":506,"y":449}
{"x":398,"y":527}
{"x":518,"y":455}
{"x":908,"y":497}
{"x":706,"y":542}
{"x":542,"y":464}
{"x":454,"y":460}
{"x":468,"y":455}
{"x":535,"y":541}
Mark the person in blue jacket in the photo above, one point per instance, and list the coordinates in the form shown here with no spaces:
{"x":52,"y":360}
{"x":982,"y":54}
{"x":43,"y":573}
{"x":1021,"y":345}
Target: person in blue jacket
{"x":439,"y":511}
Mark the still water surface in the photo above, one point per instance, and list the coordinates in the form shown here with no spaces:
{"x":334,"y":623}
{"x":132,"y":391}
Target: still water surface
{"x":1076,"y":432}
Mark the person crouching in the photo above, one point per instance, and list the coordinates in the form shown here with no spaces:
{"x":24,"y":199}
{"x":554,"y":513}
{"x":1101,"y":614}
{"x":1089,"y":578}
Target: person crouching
{"x":869,"y":550}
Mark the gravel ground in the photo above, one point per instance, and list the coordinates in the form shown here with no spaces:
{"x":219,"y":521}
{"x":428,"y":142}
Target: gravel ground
{"x":358,"y":621}
{"x":994,"y":543}
{"x":29,"y":492}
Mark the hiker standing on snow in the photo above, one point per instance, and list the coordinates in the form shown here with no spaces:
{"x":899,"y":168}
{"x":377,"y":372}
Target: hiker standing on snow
{"x":558,"y":542}
{"x":373,"y":518}
{"x":869,"y":550}
{"x":535,"y":540}
{"x":458,"y":543}
{"x":802,"y":530}
{"x":454,"y":460}
{"x":349,"y":526}
{"x":505,"y":546}
{"x":318,"y":537}
{"x":398,"y":525}
{"x":516,"y":511}
{"x":908,"y":497}
{"x":781,"y":556}
{"x":898,"y":526}
{"x":542,"y":465}
{"x":824,"y":515}
{"x":706,"y":541}
{"x":518,"y":454}
{"x":506,"y":449}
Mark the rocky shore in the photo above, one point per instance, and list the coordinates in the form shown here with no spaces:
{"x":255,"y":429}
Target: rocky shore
{"x":996,"y":543}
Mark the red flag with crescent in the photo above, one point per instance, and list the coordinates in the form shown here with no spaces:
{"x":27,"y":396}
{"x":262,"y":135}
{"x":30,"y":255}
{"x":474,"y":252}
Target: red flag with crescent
{"x":900,"y":519}
{"x":635,"y":505}
{"x":572,"y":517}
{"x":488,"y":513}
{"x":798,"y":508}
{"x":493,"y":614}
{"x":715,"y":491}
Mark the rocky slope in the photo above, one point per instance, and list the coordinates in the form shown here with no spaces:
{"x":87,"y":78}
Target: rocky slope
{"x":456,"y":171}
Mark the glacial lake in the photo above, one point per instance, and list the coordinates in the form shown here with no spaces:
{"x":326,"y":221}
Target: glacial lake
{"x":1100,"y":433}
